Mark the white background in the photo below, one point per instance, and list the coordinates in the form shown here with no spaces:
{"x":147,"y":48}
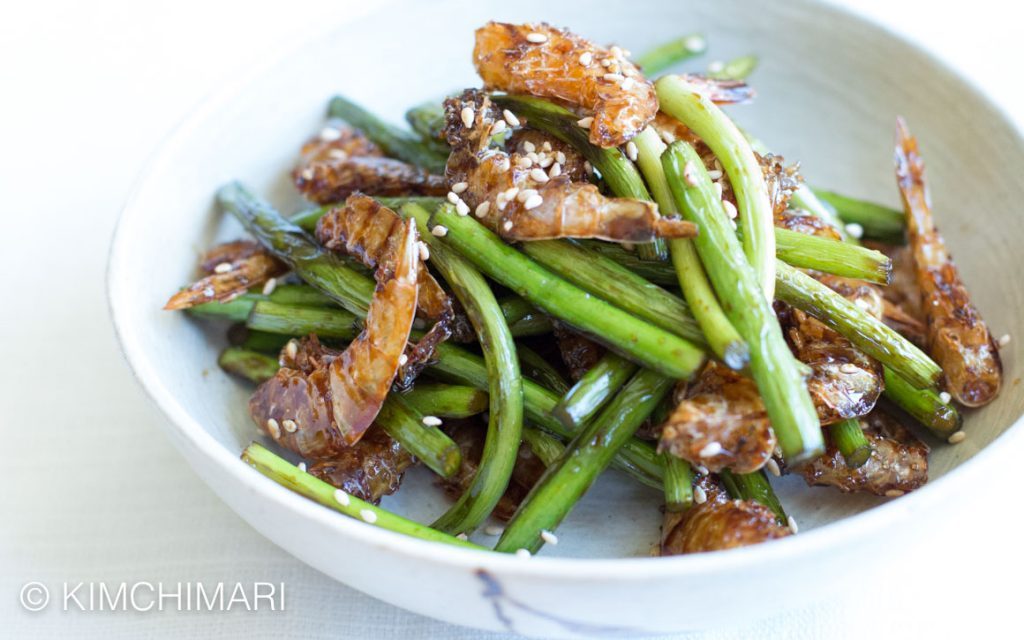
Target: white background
{"x":89,"y":487}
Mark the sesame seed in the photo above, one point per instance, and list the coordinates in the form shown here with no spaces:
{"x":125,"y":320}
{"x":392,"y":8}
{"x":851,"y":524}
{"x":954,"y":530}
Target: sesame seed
{"x":631,"y":151}
{"x":432,"y":421}
{"x":546,"y":146}
{"x":533,"y":202}
{"x":702,"y":470}
{"x":690,"y":173}
{"x":529,"y":147}
{"x":733,"y":223}
{"x":855,"y":230}
{"x":667,"y":136}
{"x":307,"y":173}
{"x":791,"y":521}
{"x":730,"y":209}
{"x":269,"y":287}
{"x":505,"y":165}
{"x":944,"y":397}
{"x":507,"y":225}
{"x":453,"y":197}
{"x":483,"y":208}
{"x":223,"y":267}
{"x":585,"y":122}
{"x":402,"y":359}
{"x":555,"y":171}
{"x":694,"y":44}
{"x":586,"y":58}
{"x":524,"y":194}
{"x":523,"y":553}
{"x":342,"y":498}
{"x":291,"y":350}
{"x":302,"y":467}
{"x":711,"y":449}
{"x":545,"y":161}
{"x":614,"y":77}
{"x":337,"y":154}
{"x":525,"y":162}
{"x":538,"y":175}
{"x":1004,"y":340}
{"x":497,"y":127}
{"x":493,"y":530}
{"x":627,"y":83}
{"x":330,"y":134}
{"x":849,"y":367}
{"x":957,"y":437}
{"x":459,"y":187}
{"x":368,"y":516}
{"x":548,"y":537}
{"x":424,"y":251}
{"x":510,"y":193}
{"x":467,"y":117}
{"x":588,"y":167}
{"x":773,"y":467}
{"x":716,"y":66}
{"x":715,"y":174}
{"x":462,"y":536}
{"x":893,"y":493}
{"x":616,"y":50}
{"x":560,"y":157}
{"x":440,"y":231}
{"x":718,"y":188}
{"x":532,"y":155}
{"x":290,"y":426}
{"x":510,"y":118}
{"x":462,"y":208}
{"x":699,"y":495}
{"x":537,"y":38}
{"x":273,"y":428}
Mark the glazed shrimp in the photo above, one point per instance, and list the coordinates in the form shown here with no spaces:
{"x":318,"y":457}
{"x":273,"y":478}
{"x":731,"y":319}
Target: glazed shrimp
{"x":721,"y":423}
{"x":958,"y":338}
{"x":548,"y":62}
{"x":231,"y":268}
{"x":362,"y":375}
{"x":898,"y":462}
{"x":527,"y":197}
{"x":345,"y":161}
{"x":370,"y":469}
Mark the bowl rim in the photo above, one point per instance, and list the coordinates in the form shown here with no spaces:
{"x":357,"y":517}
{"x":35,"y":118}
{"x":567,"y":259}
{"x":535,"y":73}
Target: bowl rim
{"x":195,"y":436}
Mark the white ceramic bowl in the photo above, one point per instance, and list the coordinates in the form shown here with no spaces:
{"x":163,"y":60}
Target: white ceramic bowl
{"x":829,"y":84}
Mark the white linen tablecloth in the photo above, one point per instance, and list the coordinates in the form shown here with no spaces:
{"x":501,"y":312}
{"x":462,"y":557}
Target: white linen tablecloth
{"x":90,"y":490}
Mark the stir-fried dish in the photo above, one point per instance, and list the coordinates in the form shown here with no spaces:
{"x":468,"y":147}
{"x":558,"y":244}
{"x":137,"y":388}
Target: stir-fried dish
{"x":586,"y":264}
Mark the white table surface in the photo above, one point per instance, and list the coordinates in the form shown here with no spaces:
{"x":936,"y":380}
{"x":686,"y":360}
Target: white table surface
{"x":91,"y":489}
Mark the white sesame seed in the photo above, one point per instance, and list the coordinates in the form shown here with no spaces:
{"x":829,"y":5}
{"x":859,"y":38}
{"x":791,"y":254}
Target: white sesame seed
{"x":523,"y":553}
{"x":330,"y":134}
{"x":507,"y":225}
{"x":690,"y":173}
{"x":588,"y":167}
{"x":546,"y":146}
{"x":402,"y":359}
{"x":699,"y":495}
{"x":631,"y":151}
{"x":560,"y":157}
{"x":532,"y":155}
{"x":545,"y":161}
{"x":715,"y":174}
{"x":585,"y":122}
{"x":467,"y":117}
{"x":459,"y":187}
{"x":627,"y":83}
{"x":342,"y":498}
{"x":510,"y":193}
{"x":453,"y":197}
{"x":307,"y":173}
{"x":505,"y":165}
{"x":529,"y":147}
{"x":791,"y":521}
{"x":432,"y":421}
{"x":606,"y":62}
{"x":368,"y":516}
{"x":462,"y":536}
{"x":337,"y":154}
{"x":497,"y":127}
{"x":533,"y":202}
{"x":290,"y":426}
{"x":616,"y":50}
{"x":483,"y":208}
{"x":702,"y":470}
{"x":538,"y":175}
{"x":711,"y":449}
{"x":291,"y":350}
{"x":730,"y":209}
{"x":586,"y":58}
{"x":493,"y":530}
{"x":440,"y":231}
{"x":1004,"y":340}
{"x":893,"y":493}
{"x":537,"y":38}
{"x":694,"y":44}
{"x":524,"y":194}
{"x":855,"y":230}
{"x":524,"y":162}
{"x":957,"y":437}
{"x":849,"y":367}
{"x":555,"y":171}
{"x":718,"y":189}
{"x":548,"y":537}
{"x":614,"y":77}
{"x":510,"y":118}
{"x":733,"y":223}
{"x":773,"y":467}
{"x":667,"y":136}
{"x":424,"y":251}
{"x":274,"y":428}
{"x":223,"y":267}
{"x":302,"y":467}
{"x":269,"y":287}
{"x":944,"y":397}
{"x":462,"y":208}
{"x":716,"y":66}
